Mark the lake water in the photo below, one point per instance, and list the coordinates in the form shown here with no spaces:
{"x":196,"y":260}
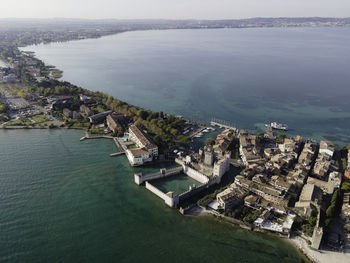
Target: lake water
{"x":298,"y":76}
{"x":63,"y":200}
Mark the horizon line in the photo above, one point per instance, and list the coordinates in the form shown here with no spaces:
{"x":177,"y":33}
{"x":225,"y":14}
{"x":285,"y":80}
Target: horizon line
{"x":169,"y":19}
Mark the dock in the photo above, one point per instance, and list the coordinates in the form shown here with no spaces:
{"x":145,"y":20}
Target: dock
{"x":117,"y":141}
{"x":214,"y":123}
{"x":116,"y":154}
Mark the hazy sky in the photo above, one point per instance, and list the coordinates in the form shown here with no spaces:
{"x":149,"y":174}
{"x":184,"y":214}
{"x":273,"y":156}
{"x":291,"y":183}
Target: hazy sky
{"x":174,"y":9}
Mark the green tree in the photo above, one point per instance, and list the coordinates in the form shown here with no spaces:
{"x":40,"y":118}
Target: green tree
{"x":209,"y":141}
{"x":281,"y":136}
{"x":345,"y":187}
{"x":312,"y":220}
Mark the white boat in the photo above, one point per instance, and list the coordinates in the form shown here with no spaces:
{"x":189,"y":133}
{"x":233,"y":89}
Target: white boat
{"x":277,"y":126}
{"x":199,"y":135}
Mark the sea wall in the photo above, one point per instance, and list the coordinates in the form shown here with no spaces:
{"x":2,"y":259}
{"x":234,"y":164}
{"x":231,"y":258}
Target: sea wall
{"x":170,"y":201}
{"x":195,"y":175}
{"x":163,"y":173}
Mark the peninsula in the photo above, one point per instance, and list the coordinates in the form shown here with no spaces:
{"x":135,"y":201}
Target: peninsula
{"x":289,"y":186}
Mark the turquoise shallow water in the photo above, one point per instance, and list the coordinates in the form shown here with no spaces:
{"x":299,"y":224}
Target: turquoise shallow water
{"x":62,"y":200}
{"x":297,"y":76}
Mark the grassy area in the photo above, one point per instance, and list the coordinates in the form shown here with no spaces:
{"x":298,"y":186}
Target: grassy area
{"x":305,"y":225}
{"x":245,"y":214}
{"x":206,"y":200}
{"x":344,"y":162}
{"x":16,"y":89}
{"x":29,"y":121}
{"x":132,"y":146}
{"x":99,"y":108}
{"x":99,"y":131}
{"x":76,"y":123}
{"x":40,"y":118}
{"x":20,"y":122}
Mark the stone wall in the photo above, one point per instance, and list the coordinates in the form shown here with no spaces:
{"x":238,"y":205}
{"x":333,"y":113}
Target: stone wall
{"x":170,"y":201}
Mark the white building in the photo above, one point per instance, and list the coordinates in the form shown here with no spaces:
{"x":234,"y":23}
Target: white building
{"x":327,"y":148}
{"x":138,"y":137}
{"x":138,"y":156}
{"x":146,"y":150}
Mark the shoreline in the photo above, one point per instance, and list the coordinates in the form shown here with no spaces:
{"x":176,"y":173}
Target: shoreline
{"x":297,"y":242}
{"x":320,"y":256}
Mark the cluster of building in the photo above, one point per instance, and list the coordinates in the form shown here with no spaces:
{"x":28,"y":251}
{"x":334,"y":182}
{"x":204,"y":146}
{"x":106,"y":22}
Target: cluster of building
{"x":7,"y":76}
{"x":286,"y":178}
{"x":324,"y":160}
{"x":212,"y":161}
{"x":249,"y":148}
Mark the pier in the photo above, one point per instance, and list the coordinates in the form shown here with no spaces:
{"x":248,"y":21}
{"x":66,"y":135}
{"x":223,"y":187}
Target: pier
{"x":222,"y":124}
{"x":117,"y":141}
{"x":116,"y":154}
{"x":214,"y":123}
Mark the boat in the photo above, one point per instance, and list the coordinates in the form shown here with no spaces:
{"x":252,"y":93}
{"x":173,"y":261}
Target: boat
{"x":199,"y":135}
{"x":277,"y":126}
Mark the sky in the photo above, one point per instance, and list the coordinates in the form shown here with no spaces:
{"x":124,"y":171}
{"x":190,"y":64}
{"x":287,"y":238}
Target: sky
{"x":172,"y":9}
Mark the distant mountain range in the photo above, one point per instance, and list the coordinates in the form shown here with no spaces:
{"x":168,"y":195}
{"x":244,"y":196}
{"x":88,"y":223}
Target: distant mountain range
{"x":10,"y":23}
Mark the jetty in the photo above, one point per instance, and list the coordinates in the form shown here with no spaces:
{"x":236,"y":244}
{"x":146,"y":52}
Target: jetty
{"x":214,"y":123}
{"x":116,"y":154}
{"x":117,"y":141}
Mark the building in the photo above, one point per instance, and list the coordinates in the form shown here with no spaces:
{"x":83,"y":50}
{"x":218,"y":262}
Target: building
{"x":231,"y":197}
{"x":223,"y":141}
{"x":67,"y":113}
{"x":222,"y":165}
{"x":61,"y":102}
{"x":76,"y":115}
{"x":327,"y":148}
{"x":146,"y":151}
{"x":86,"y":110}
{"x":249,"y":149}
{"x":138,"y":156}
{"x":334,"y":181}
{"x":268,"y":192}
{"x":324,"y":160}
{"x":208,"y":155}
{"x":309,"y":200}
{"x":307,"y":155}
{"x":117,"y":122}
{"x":86,"y":99}
{"x":140,"y":139}
{"x":100,"y":117}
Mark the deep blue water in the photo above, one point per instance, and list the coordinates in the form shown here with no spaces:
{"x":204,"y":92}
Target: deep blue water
{"x":298,"y":76}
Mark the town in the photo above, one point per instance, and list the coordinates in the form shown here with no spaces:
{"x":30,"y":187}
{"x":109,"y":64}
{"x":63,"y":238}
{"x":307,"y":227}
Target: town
{"x":260,"y":181}
{"x":286,"y":186}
